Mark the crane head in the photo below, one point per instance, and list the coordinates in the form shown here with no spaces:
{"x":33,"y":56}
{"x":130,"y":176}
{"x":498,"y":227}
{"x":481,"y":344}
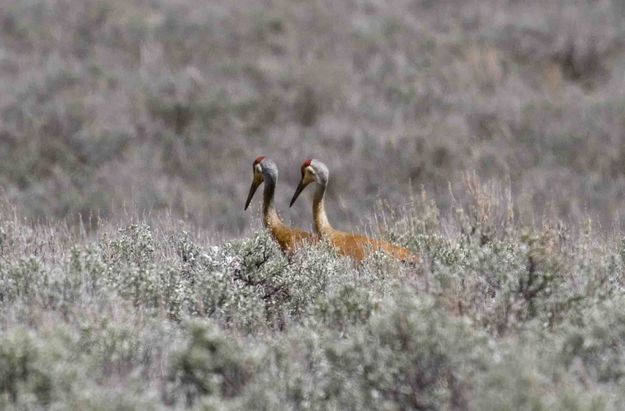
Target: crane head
{"x":257,"y":179}
{"x":309,"y":175}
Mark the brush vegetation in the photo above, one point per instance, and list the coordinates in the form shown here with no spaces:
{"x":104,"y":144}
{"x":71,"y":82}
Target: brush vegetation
{"x":163,"y":105}
{"x":148,"y":315}
{"x":131,"y":278}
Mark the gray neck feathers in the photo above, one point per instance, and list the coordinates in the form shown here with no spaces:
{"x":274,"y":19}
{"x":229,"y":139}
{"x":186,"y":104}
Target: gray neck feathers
{"x":321,"y":218}
{"x":270,"y":177}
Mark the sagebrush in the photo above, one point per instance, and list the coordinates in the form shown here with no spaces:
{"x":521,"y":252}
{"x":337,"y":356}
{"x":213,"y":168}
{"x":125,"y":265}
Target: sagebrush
{"x":146,"y":316}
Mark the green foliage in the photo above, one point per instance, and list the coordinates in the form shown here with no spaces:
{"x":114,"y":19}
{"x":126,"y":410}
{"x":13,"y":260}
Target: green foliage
{"x":21,"y":370}
{"x":594,"y":340}
{"x":110,"y":105}
{"x":148,"y":316}
{"x":210,"y":364}
{"x":411,"y":357}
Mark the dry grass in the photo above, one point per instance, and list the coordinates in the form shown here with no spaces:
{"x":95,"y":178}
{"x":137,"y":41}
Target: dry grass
{"x":149,"y":315}
{"x":485,"y":135}
{"x":162,"y":105}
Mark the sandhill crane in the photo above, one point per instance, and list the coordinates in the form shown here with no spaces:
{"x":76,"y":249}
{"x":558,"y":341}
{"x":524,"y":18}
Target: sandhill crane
{"x":289,"y":239}
{"x":356,"y":246}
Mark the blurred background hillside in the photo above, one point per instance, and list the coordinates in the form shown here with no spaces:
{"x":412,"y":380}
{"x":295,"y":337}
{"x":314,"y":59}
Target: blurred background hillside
{"x":163,"y":105}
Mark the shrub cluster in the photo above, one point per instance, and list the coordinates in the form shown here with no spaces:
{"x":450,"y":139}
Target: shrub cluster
{"x":160,"y":105}
{"x":149,"y":316}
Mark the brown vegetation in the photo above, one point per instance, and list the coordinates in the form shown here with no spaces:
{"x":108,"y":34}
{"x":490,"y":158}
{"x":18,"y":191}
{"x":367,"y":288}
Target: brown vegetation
{"x":107,"y":105}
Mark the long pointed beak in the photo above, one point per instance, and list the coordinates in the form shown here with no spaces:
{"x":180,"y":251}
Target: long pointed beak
{"x":300,"y":187}
{"x":255,"y":184}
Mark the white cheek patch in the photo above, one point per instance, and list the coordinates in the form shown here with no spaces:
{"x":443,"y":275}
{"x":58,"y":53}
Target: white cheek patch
{"x":258,"y":168}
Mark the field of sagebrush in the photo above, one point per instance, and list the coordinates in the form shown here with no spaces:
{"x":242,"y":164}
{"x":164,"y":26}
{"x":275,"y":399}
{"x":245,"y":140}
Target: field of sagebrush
{"x":163,"y":104}
{"x":149,"y":315}
{"x":485,"y":135}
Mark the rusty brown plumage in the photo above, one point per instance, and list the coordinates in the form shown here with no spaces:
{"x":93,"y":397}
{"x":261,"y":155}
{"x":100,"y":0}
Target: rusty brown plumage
{"x":359,"y":247}
{"x":356,"y":246}
{"x":288,"y":238}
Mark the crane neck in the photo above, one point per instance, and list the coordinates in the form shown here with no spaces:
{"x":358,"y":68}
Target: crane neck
{"x":322,"y":224}
{"x":270,"y":214}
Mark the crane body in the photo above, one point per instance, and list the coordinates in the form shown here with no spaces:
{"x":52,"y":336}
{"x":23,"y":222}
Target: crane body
{"x":356,"y":246}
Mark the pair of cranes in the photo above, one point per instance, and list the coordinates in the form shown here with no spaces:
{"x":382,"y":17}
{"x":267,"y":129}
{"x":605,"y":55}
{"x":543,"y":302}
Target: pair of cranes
{"x":356,"y":246}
